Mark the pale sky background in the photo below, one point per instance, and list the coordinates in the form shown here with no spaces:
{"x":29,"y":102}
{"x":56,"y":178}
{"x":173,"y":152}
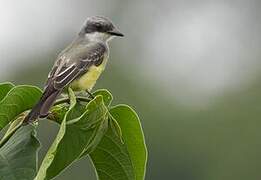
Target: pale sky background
{"x":197,"y":49}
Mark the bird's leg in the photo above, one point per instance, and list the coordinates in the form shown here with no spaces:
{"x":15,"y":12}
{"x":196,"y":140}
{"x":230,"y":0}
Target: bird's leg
{"x":90,"y":94}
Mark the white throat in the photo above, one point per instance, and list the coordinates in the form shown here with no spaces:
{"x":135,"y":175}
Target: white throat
{"x":98,"y":36}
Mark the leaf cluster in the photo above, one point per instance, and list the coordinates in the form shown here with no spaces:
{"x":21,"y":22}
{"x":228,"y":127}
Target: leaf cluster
{"x":111,"y":136}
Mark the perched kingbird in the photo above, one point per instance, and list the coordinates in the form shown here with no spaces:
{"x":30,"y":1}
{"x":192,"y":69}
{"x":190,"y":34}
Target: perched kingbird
{"x":79,"y":65}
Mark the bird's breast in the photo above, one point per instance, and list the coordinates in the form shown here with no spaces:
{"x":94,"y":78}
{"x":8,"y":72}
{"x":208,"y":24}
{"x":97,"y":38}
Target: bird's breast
{"x":88,"y":80}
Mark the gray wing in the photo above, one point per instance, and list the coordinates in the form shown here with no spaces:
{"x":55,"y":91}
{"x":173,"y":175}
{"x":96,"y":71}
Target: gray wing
{"x":73,"y":63}
{"x":67,"y":68}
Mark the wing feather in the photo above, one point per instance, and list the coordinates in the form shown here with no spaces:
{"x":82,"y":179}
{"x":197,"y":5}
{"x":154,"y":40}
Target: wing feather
{"x":70,"y":66}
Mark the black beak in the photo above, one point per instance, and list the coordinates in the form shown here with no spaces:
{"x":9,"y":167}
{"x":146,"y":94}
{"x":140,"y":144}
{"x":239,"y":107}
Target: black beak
{"x":116,"y":32}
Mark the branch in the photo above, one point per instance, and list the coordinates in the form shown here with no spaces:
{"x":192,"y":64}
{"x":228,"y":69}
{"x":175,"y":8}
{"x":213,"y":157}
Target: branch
{"x":67,"y":100}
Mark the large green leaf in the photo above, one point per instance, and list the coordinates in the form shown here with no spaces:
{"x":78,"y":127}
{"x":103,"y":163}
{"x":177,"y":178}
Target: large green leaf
{"x":12,"y":128}
{"x":17,"y":100}
{"x":107,"y":99}
{"x":78,"y":131}
{"x":114,"y":160}
{"x":18,"y":156}
{"x":4,"y":89}
{"x":107,"y":96}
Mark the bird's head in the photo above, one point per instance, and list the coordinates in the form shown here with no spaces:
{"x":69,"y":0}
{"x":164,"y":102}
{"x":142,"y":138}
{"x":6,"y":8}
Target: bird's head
{"x":99,"y":28}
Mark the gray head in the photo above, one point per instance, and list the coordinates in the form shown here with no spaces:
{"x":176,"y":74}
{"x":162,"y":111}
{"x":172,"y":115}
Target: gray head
{"x":99,"y":28}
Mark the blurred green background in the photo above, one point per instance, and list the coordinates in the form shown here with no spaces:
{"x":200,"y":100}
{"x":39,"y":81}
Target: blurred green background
{"x":190,"y":68}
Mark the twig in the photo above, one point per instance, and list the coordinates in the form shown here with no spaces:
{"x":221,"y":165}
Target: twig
{"x":67,"y":100}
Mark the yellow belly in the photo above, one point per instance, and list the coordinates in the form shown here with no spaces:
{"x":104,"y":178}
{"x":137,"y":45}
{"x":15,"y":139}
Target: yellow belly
{"x":88,"y":80}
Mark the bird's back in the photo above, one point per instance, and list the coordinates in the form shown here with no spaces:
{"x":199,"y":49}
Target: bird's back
{"x":94,"y":52}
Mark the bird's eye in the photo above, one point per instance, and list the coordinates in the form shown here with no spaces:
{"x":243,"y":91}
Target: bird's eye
{"x":98,"y":26}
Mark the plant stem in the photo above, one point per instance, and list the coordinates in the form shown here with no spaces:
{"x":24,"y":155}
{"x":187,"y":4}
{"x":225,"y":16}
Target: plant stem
{"x":67,"y":100}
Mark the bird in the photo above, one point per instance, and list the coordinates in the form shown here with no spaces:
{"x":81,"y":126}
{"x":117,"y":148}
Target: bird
{"x":79,"y":65}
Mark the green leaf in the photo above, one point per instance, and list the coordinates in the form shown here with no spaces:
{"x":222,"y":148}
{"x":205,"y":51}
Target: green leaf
{"x":12,"y":128}
{"x":4,"y":89}
{"x":114,"y":160}
{"x":99,"y":133}
{"x":107,"y":99}
{"x":77,"y":133}
{"x":18,"y":156}
{"x":57,"y":113}
{"x":17,"y":100}
{"x":107,"y":96}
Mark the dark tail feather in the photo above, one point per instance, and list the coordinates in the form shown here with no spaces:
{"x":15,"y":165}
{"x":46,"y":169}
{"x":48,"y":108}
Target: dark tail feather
{"x":42,"y":107}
